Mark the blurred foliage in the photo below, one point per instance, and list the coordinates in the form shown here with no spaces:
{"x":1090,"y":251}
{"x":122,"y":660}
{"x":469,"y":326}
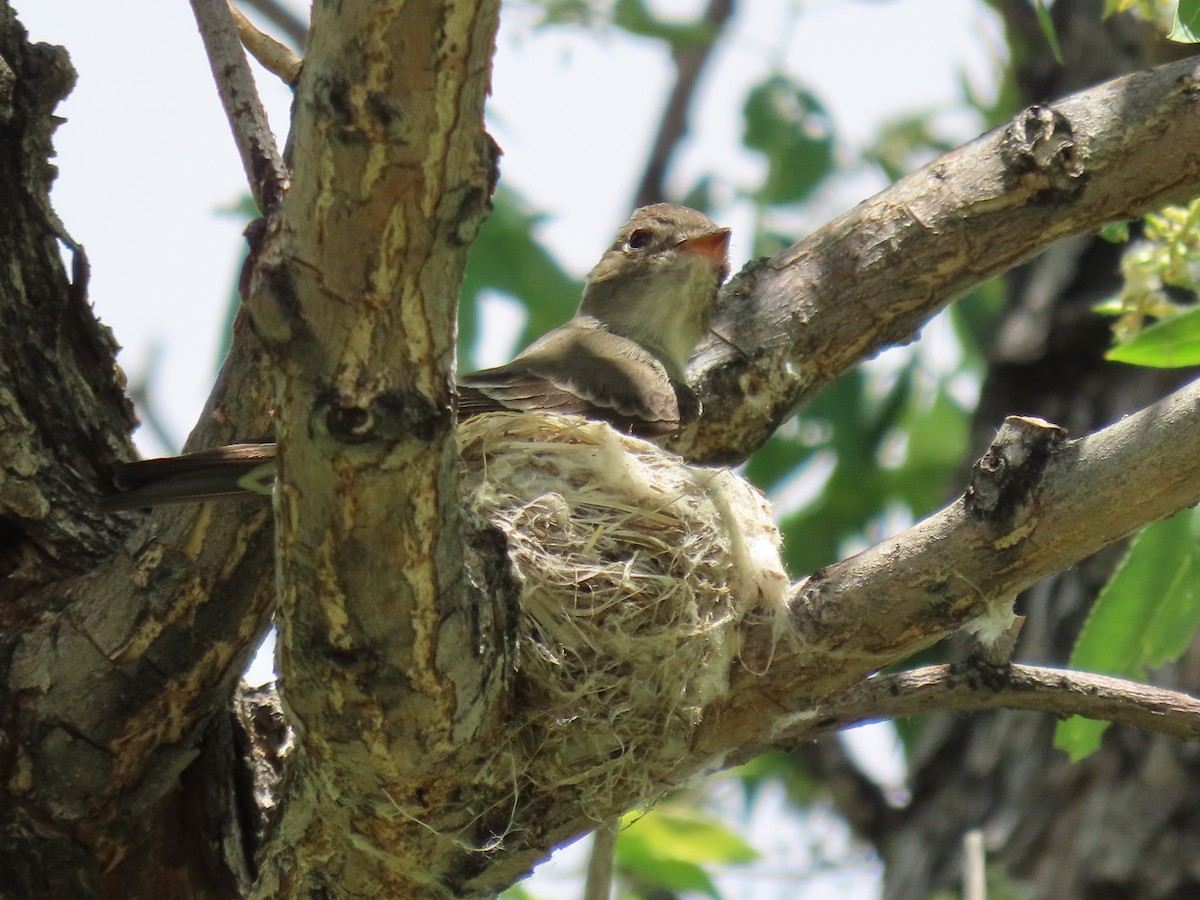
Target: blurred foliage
{"x":518,"y":892}
{"x":571,"y":12}
{"x":788,"y":125}
{"x":669,"y":847}
{"x":507,"y":258}
{"x":902,"y":140}
{"x":893,"y":448}
{"x":1047,"y":26}
{"x":636,"y":18}
{"x":1178,"y":19}
{"x":1161,"y":281}
{"x":801,"y":787}
{"x":998,"y":885}
{"x":1144,"y":617}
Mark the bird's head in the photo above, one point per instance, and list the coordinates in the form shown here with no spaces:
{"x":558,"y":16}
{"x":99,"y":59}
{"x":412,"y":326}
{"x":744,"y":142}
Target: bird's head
{"x":658,"y":281}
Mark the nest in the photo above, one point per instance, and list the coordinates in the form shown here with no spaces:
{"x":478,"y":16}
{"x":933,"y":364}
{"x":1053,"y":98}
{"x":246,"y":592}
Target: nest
{"x":635,"y":571}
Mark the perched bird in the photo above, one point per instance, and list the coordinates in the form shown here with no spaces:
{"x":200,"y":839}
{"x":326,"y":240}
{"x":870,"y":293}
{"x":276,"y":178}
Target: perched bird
{"x":620,"y":359}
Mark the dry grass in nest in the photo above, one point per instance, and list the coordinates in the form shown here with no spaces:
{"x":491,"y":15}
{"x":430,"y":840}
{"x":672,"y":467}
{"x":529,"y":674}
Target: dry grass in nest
{"x":635,"y":572}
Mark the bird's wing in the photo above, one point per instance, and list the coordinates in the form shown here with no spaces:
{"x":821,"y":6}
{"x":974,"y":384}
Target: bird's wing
{"x":569,"y":372}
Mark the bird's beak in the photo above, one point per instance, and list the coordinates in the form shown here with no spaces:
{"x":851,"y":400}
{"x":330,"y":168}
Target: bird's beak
{"x":713,"y":246}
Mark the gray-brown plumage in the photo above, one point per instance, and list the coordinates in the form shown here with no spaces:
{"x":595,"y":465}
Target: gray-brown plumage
{"x":620,"y":359}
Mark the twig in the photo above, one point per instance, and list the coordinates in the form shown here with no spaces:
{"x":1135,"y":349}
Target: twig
{"x":974,"y":866}
{"x":598,"y":885}
{"x":275,"y":57}
{"x":292,"y":25}
{"x":1063,"y":692}
{"x":264,"y":167}
{"x":689,"y":62}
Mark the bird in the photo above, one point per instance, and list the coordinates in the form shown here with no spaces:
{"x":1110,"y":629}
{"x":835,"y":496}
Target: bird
{"x":620,"y":359}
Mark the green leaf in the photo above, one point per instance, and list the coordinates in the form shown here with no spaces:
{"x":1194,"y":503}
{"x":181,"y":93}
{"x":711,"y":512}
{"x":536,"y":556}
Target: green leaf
{"x":903,"y":142}
{"x":1144,"y":617}
{"x":790,"y":127}
{"x":1115,"y":232}
{"x":937,"y":436}
{"x":668,"y":846}
{"x":1168,"y":344}
{"x":1110,"y":306}
{"x":851,"y":496}
{"x":1078,"y":737}
{"x":634,"y":16}
{"x":802,"y":786}
{"x":567,"y":12}
{"x":1047,"y":26}
{"x":1186,"y":26}
{"x":976,"y":317}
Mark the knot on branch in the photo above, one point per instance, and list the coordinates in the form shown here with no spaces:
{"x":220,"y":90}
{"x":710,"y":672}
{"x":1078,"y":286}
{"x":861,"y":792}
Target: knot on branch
{"x":1004,"y":481}
{"x":1189,"y":86}
{"x":1041,"y":155}
{"x":388,"y":416}
{"x":268,"y":289}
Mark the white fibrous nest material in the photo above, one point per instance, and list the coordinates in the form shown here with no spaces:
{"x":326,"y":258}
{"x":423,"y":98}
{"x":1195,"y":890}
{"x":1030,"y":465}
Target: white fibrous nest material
{"x":635,"y":571}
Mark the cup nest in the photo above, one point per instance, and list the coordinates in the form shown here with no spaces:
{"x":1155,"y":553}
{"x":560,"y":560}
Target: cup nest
{"x":635,"y":572}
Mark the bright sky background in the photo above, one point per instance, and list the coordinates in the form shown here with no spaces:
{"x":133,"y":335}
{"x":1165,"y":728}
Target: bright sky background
{"x":146,"y":162}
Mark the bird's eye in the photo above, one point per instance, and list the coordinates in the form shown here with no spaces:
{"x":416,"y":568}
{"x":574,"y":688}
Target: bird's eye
{"x":639,"y":239}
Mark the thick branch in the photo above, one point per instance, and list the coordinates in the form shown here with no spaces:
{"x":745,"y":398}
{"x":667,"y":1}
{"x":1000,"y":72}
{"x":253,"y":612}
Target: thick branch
{"x":870,"y":278}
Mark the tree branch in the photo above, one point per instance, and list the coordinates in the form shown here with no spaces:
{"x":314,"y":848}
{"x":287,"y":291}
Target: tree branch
{"x":275,"y":57}
{"x":872,"y":277}
{"x":1032,"y":509}
{"x":689,"y":63}
{"x":1062,"y":692}
{"x":294,"y":27}
{"x":265,"y":172}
